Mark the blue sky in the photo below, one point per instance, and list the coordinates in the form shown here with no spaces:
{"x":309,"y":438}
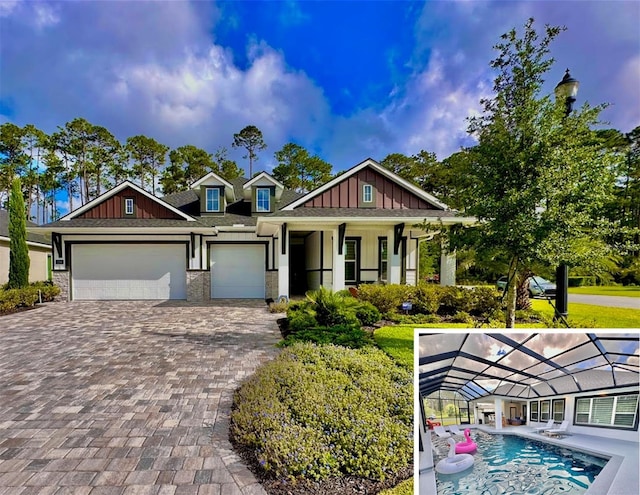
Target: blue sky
{"x":347,"y":80}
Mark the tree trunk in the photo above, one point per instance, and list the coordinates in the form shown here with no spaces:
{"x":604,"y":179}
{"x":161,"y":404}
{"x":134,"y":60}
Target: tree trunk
{"x":511,"y":294}
{"x":522,"y":298}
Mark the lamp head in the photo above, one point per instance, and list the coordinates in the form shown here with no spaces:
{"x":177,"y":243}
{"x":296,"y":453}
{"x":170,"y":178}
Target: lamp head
{"x":568,"y":87}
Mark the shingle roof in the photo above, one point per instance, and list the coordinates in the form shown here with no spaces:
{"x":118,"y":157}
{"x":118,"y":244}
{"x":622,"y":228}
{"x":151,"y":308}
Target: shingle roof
{"x":124,"y":223}
{"x":362,"y":212}
{"x":4,"y":230}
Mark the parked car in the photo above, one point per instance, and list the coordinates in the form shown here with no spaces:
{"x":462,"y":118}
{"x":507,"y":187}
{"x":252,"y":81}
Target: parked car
{"x":537,"y":286}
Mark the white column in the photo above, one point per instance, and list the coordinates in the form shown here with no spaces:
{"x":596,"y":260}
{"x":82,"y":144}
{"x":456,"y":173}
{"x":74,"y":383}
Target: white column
{"x":498,"y":410}
{"x":338,"y":262}
{"x":447,"y":264}
{"x":283,"y":264}
{"x":394,"y":263}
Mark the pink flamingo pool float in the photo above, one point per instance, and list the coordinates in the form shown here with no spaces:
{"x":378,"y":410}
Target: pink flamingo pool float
{"x":468,"y":446}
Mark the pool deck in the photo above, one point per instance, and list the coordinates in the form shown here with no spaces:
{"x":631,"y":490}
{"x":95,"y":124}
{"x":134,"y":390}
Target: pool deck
{"x":620,"y":476}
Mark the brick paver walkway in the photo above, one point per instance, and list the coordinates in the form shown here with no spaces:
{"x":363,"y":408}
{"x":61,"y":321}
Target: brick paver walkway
{"x":127,"y":397}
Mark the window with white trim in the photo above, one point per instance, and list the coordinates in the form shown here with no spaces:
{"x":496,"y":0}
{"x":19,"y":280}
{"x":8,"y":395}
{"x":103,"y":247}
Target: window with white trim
{"x":128,"y":206}
{"x":557,"y":409}
{"x":544,"y":410}
{"x":351,"y":261}
{"x":367,"y":193}
{"x":533,"y":411}
{"x":382,"y":259}
{"x":616,"y":411}
{"x":213,"y":199}
{"x":263,"y":199}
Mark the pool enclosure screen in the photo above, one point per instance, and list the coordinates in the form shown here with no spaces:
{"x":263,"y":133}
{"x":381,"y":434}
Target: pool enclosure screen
{"x":526,"y":365}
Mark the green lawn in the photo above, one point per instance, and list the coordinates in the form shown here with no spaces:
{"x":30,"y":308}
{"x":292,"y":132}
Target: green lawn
{"x":587,"y":315}
{"x":607,"y":290}
{"x":397,"y":342}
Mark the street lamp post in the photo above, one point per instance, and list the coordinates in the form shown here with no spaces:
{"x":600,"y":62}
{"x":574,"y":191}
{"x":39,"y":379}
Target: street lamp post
{"x":567,"y":89}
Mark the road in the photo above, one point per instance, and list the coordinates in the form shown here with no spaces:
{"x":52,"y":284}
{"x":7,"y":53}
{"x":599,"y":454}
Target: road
{"x":611,"y":301}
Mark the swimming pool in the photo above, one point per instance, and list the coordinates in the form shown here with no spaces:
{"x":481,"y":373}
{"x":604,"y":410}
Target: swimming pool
{"x":520,"y":466}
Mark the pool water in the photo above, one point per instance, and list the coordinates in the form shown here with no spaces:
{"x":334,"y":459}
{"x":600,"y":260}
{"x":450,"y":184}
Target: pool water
{"x":507,"y":464}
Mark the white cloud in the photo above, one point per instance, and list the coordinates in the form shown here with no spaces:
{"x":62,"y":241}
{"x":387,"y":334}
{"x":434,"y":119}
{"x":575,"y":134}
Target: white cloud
{"x":45,"y":15}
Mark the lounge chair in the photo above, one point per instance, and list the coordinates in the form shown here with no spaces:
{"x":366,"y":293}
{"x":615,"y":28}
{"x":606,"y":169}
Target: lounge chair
{"x":441,"y":432}
{"x":455,"y":430}
{"x":548,"y":426}
{"x":561,"y":430}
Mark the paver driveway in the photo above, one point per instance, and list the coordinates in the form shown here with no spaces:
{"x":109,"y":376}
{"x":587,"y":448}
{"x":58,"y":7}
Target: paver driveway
{"x":127,"y":397}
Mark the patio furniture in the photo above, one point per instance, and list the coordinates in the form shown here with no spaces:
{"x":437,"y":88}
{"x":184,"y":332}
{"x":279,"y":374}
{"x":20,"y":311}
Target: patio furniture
{"x":561,"y":430}
{"x":441,"y":432}
{"x":548,"y":426}
{"x":455,"y":430}
{"x":431,"y":424}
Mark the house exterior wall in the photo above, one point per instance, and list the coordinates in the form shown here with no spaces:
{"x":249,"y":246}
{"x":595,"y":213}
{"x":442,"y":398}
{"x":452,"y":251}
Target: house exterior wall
{"x":387,"y":194}
{"x":38,"y":266}
{"x":313,"y":258}
{"x":144,"y":207}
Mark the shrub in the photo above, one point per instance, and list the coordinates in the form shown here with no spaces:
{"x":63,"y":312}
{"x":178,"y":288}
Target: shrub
{"x":485,"y":301}
{"x":462,"y":317}
{"x":386,"y":298}
{"x":426,"y":298}
{"x":367,"y":313}
{"x":278,"y":307}
{"x":333,"y":308}
{"x":322,"y":411}
{"x":300,"y":317}
{"x":343,"y":335}
{"x":13,"y":299}
{"x":47,"y":290}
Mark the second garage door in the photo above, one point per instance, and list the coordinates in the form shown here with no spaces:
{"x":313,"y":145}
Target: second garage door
{"x":128,"y":271}
{"x":237,"y":271}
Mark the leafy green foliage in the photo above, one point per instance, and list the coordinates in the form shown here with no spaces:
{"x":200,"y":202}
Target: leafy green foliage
{"x":12,"y":299}
{"x":321,"y":411}
{"x":298,"y":170}
{"x":539,"y":177}
{"x":386,"y":298}
{"x":367,"y":314}
{"x":18,"y":250}
{"x":249,"y":138}
{"x":343,"y":335}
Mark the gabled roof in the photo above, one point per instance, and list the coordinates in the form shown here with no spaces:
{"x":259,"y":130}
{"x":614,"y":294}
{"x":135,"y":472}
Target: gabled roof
{"x":215,"y":178}
{"x":123,"y":185}
{"x":32,"y":238}
{"x":369,"y":162}
{"x":260,"y":180}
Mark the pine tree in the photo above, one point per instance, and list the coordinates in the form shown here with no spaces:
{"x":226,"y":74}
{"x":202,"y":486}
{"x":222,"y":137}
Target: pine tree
{"x":18,"y":250}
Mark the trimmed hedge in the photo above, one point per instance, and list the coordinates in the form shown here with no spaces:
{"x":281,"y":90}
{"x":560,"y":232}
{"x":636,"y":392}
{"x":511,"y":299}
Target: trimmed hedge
{"x":432,"y":299}
{"x":13,"y":299}
{"x":322,"y":411}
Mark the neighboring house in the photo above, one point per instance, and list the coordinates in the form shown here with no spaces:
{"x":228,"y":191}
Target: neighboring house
{"x":39,"y":252}
{"x":246,"y":238}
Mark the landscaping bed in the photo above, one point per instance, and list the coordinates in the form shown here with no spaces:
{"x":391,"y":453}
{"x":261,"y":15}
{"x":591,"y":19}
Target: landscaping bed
{"x":17,"y":300}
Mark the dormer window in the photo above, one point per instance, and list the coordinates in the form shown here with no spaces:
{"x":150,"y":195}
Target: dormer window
{"x":128,"y":206}
{"x":263,"y":200}
{"x":367,"y":193}
{"x":213,"y":199}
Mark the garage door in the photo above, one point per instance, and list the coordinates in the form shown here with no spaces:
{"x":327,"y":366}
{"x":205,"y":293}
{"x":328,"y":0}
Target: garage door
{"x":128,"y":271}
{"x":237,"y":271}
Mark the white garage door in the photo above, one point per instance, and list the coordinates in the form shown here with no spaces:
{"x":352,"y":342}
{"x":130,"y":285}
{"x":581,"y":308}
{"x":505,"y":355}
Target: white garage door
{"x":128,"y":271}
{"x":237,"y":271}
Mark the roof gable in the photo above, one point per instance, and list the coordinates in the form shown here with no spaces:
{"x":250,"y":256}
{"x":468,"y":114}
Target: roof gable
{"x":212,"y":179}
{"x":104,"y":206}
{"x":392,"y":191}
{"x":263,"y":179}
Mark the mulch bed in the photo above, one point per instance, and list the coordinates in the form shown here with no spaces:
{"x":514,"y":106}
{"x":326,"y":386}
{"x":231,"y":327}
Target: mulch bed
{"x":344,"y":485}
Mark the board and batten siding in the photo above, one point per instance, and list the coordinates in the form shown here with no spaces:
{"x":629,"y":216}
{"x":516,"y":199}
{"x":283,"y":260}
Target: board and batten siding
{"x":388,"y":194}
{"x":144,"y":207}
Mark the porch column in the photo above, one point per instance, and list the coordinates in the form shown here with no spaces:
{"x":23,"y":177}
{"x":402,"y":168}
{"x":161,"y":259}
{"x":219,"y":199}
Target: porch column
{"x":447,"y":264}
{"x":394,"y":274}
{"x":338,"y":258}
{"x":498,"y":411}
{"x":283,"y":261}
